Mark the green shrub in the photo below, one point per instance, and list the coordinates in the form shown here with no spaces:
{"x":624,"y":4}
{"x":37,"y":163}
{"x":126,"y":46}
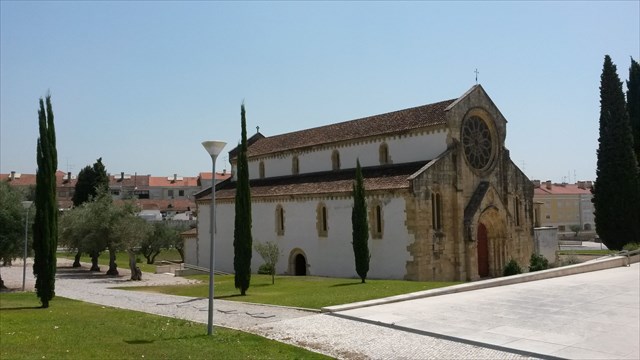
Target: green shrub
{"x":265,"y":269}
{"x":538,"y":262}
{"x":571,"y":260}
{"x":512,"y":268}
{"x":631,"y":246}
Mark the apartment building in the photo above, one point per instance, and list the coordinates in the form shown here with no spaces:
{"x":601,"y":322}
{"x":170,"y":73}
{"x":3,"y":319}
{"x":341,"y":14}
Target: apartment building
{"x":564,"y":205}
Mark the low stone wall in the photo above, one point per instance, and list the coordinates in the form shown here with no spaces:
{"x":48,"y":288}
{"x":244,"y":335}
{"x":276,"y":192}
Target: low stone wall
{"x":563,"y":258}
{"x":186,"y":272}
{"x":599,"y":264}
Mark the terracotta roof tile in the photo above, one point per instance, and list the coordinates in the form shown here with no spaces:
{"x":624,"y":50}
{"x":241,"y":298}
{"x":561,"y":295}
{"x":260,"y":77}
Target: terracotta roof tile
{"x":19,"y":179}
{"x":561,"y":189}
{"x":375,"y":178}
{"x":30,"y":179}
{"x":135,"y":180}
{"x":167,"y":181}
{"x":219,"y":176}
{"x":390,"y":123}
{"x":189,"y":233}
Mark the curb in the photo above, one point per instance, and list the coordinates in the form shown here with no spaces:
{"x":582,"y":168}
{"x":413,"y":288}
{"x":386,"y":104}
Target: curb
{"x":593,"y":265}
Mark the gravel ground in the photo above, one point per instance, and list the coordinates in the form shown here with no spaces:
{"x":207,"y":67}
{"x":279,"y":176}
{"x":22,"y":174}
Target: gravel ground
{"x":323,"y":333}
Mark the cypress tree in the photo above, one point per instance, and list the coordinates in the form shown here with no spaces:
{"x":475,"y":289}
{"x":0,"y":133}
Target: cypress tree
{"x":242,"y":240}
{"x":633,"y":105}
{"x":85,"y":186}
{"x":360,"y":226}
{"x":45,"y":227}
{"x":616,"y":192}
{"x":90,"y":179}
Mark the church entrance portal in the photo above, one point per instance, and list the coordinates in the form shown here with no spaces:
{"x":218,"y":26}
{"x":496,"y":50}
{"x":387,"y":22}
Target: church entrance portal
{"x":483,"y":251}
{"x":301,"y":265}
{"x":298,"y":263}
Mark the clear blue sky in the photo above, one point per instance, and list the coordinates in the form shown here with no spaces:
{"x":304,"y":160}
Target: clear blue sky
{"x":142,"y":84}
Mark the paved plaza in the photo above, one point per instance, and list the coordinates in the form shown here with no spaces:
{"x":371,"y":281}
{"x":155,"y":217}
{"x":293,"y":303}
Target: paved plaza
{"x":586,"y":316}
{"x":593,"y":315}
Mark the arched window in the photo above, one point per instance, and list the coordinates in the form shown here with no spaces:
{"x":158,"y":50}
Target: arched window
{"x":376,"y":220}
{"x":322,"y":220}
{"x":261,"y":170}
{"x":295,"y":165}
{"x":279,"y":220}
{"x":436,"y":211}
{"x":384,"y":154}
{"x":335,"y":160}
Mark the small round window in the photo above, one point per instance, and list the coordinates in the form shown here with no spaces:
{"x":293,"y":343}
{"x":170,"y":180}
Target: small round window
{"x":477,"y":142}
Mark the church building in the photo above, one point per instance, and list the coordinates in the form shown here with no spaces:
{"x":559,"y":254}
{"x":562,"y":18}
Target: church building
{"x":445,"y":201}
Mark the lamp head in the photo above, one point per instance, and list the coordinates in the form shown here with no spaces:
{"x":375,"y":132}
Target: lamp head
{"x":214,"y":148}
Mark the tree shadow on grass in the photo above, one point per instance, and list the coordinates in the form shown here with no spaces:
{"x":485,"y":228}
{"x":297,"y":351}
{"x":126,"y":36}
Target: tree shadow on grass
{"x":261,"y":285}
{"x":346,"y":284}
{"x":139,"y":342}
{"x":21,"y":308}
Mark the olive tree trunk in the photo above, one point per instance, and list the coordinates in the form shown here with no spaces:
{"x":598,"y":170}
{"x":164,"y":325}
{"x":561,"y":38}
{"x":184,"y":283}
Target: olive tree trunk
{"x":136,"y":273}
{"x":113,"y":267}
{"x":94,"y":261}
{"x":76,"y":260}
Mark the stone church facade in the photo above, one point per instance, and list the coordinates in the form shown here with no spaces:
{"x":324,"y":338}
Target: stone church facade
{"x":445,"y":200}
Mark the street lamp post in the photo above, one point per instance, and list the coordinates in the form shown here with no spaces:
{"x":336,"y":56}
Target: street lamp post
{"x":213,"y":148}
{"x":27,"y":206}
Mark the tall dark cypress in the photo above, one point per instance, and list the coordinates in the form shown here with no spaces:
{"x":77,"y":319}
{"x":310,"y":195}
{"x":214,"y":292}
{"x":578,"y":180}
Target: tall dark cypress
{"x":101,"y":177}
{"x":242,"y":240}
{"x":360,"y":226}
{"x":616,"y":193}
{"x":85,"y":186}
{"x":633,"y":105}
{"x":45,"y":227}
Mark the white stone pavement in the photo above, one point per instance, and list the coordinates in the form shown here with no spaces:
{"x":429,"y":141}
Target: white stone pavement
{"x":331,"y":335}
{"x":592,"y":315}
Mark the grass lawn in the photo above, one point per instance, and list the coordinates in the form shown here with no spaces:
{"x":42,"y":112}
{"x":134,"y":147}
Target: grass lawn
{"x":122,"y":259}
{"x":586,"y":252}
{"x":310,"y":292}
{"x":71,"y":329}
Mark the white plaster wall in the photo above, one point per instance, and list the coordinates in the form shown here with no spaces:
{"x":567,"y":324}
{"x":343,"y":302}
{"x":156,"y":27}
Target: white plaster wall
{"x":407,"y":149}
{"x":389,"y":255}
{"x":190,"y":254}
{"x":223,"y":250}
{"x":546,"y":242}
{"x":326,"y":256}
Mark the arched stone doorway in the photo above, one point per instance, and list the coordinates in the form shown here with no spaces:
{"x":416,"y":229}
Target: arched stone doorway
{"x":483,"y":251}
{"x":492,"y":247}
{"x":298,"y":265}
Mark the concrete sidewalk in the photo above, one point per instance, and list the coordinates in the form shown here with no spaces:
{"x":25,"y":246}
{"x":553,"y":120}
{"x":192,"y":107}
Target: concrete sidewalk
{"x":593,"y":315}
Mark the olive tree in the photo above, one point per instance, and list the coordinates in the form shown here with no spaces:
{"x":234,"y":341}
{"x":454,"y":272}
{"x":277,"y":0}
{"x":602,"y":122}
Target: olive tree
{"x":11,"y":224}
{"x":162,"y":237}
{"x":270,"y":253}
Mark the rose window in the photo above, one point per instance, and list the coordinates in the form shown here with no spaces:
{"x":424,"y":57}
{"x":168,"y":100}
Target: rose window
{"x":477,"y":143}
